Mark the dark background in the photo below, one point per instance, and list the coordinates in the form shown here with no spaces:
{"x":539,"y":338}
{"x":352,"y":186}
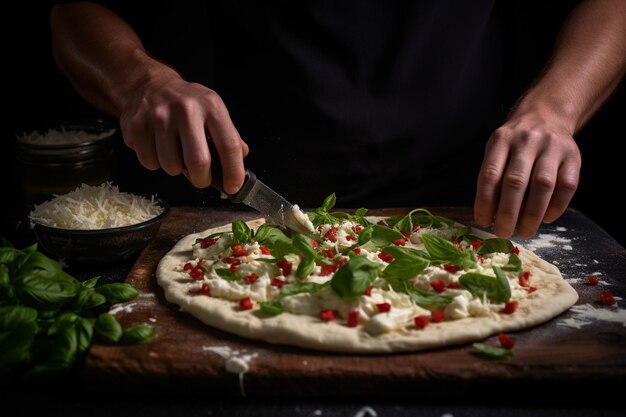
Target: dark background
{"x":37,"y":94}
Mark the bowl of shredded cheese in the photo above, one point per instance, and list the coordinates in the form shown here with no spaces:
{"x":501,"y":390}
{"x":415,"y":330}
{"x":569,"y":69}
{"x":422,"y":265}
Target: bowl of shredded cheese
{"x":97,"y":224}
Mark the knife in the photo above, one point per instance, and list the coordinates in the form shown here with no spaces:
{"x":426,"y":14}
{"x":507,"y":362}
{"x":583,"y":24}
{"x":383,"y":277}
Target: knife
{"x":262,"y":198}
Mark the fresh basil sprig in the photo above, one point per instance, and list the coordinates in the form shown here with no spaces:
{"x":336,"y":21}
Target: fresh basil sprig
{"x":274,"y":239}
{"x":407,"y":262}
{"x":443,"y":251}
{"x":378,"y":235}
{"x":228,"y":274}
{"x":301,"y":287}
{"x":496,"y":288}
{"x":241,"y":231}
{"x":495,"y":245}
{"x":493,"y":352}
{"x":271,"y":308}
{"x":515,"y":264}
{"x":419,"y":216}
{"x":353,"y":278}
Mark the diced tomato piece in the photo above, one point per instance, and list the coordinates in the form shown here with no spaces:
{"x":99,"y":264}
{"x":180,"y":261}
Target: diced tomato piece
{"x":385,"y":257}
{"x":405,"y":234}
{"x":357,"y":251}
{"x":606,"y":298}
{"x":202,"y":290}
{"x":353,"y":318}
{"x":196,"y":273}
{"x":246,"y":304}
{"x":233,"y":267}
{"x":421,"y":321}
{"x":476,"y":244}
{"x":524,"y":279}
{"x":329,"y":253}
{"x":350,"y":238}
{"x":383,"y":307}
{"x":187,"y":266}
{"x":510,"y":307}
{"x":357,"y":228}
{"x":438,"y":285}
{"x":531,"y":289}
{"x":285,"y":266}
{"x":416,"y":227}
{"x":451,"y":268}
{"x":205,"y":243}
{"x":457,"y":245}
{"x":315,"y":243}
{"x":341,"y":261}
{"x":327,"y":270}
{"x":239,"y":250}
{"x":506,"y":341}
{"x":331,"y":234}
{"x":437,"y":316}
{"x":327,"y":315}
{"x":368,"y":291}
{"x":515,"y":250}
{"x":592,"y":280}
{"x":250,"y":279}
{"x":264,"y":250}
{"x":453,"y":285}
{"x":399,"y":242}
{"x":232,"y":261}
{"x":480,"y":258}
{"x":278,"y":282}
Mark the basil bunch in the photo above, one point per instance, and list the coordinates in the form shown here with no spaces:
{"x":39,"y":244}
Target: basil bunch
{"x":48,"y":319}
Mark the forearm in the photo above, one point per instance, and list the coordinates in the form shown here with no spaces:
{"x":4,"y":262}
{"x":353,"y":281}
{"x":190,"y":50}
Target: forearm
{"x":101,"y":55}
{"x":587,"y":65}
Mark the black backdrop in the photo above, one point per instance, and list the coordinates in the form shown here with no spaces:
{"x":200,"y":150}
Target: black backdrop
{"x":36,"y":93}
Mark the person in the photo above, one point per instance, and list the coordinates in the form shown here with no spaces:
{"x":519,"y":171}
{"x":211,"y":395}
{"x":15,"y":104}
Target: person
{"x":382,"y":102}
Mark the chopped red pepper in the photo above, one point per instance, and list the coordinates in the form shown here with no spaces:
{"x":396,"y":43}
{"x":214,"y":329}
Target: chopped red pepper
{"x":239,"y":250}
{"x":232,"y":261}
{"x":592,"y":280}
{"x":315,"y":243}
{"x":399,"y":242}
{"x":606,"y":298}
{"x":451,"y":268}
{"x":383,"y":307}
{"x":476,"y":244}
{"x":327,"y":270}
{"x":453,"y":285}
{"x":341,"y":261}
{"x":357,"y":228}
{"x":510,"y":307}
{"x":531,"y":289}
{"x":327,"y":315}
{"x":285,"y":266}
{"x":278,"y":282}
{"x":457,"y":244}
{"x":524,"y":279}
{"x":405,"y":234}
{"x":368,"y":291}
{"x":329,"y":253}
{"x":357,"y":251}
{"x":187,"y":266}
{"x":205,"y":243}
{"x":202,"y":290}
{"x":246,"y":304}
{"x":250,"y":279}
{"x":385,"y":257}
{"x":421,"y":321}
{"x":515,"y":250}
{"x":416,"y":227}
{"x":437,"y":316}
{"x":353,"y":318}
{"x":438,"y":285}
{"x":233,"y":267}
{"x":506,"y":341}
{"x":350,"y":237}
{"x":331,"y":234}
{"x":196,"y":273}
{"x":264,"y":250}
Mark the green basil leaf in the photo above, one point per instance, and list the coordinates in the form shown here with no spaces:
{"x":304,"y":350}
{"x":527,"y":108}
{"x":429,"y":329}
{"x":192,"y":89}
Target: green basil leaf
{"x":496,"y":288}
{"x":241,"y":231}
{"x":15,"y":344}
{"x":359,"y":217}
{"x":227,"y":274}
{"x":40,"y":290}
{"x":303,"y":246}
{"x":118,"y":292}
{"x":425,"y":299}
{"x":5,"y":243}
{"x":211,"y":236}
{"x":301,"y":287}
{"x":62,"y":354}
{"x":515,"y":264}
{"x":107,"y":326}
{"x":407,"y":262}
{"x":274,"y":239}
{"x":90,"y":283}
{"x":353,"y":278}
{"x":37,"y":263}
{"x":16,"y":316}
{"x":139,"y":333}
{"x":84,"y":334}
{"x":495,"y":245}
{"x":8,"y":255}
{"x":461,"y":233}
{"x":5,"y":279}
{"x":379,"y":235}
{"x":305,"y":268}
{"x":329,"y":202}
{"x":88,"y":298}
{"x":271,"y":308}
{"x":444,"y":251}
{"x":493,"y":352}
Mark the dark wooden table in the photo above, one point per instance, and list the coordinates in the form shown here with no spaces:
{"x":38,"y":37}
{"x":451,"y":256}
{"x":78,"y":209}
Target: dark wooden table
{"x":283,"y":380}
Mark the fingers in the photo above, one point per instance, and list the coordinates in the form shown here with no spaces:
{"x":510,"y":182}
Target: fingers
{"x":566,"y":185}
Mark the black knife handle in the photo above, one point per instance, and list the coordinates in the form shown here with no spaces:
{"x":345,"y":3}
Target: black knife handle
{"x":217,"y":180}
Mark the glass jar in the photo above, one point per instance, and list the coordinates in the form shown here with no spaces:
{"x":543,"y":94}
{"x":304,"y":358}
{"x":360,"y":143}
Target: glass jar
{"x":59,"y":159}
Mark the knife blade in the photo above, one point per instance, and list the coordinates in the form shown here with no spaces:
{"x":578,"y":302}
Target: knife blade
{"x":268,"y":202}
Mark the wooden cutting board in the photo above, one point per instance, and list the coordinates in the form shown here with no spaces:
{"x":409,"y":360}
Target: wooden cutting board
{"x":185,"y":357}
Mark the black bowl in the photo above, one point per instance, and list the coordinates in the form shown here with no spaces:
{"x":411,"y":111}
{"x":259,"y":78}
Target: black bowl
{"x":101,"y":245}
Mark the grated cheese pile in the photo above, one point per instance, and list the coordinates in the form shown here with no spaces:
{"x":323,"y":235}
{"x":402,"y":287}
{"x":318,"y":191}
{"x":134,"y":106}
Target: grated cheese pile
{"x":95,"y":207}
{"x":62,"y":137}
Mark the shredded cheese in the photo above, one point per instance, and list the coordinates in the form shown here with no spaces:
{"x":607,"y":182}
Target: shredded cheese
{"x":62,"y":137}
{"x":95,"y":207}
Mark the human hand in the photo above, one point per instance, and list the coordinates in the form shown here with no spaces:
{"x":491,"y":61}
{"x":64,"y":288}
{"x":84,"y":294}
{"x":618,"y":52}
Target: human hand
{"x":529,"y":174}
{"x":168,"y":121}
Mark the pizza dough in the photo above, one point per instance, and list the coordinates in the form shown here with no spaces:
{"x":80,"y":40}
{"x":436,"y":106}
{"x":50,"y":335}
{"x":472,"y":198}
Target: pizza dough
{"x":549,"y":296}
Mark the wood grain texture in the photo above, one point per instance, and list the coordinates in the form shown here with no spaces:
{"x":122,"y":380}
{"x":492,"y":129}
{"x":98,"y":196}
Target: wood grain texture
{"x":178,"y":359}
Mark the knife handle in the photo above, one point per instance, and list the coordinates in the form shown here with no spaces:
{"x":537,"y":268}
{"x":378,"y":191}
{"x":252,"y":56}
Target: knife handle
{"x":217,"y":180}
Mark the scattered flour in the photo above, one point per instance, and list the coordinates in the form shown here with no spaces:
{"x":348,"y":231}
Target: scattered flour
{"x":235,"y":362}
{"x":547,"y":240}
{"x":585,"y":314}
{"x":561,"y":229}
{"x":366,"y":412}
{"x":126,"y":308}
{"x":317,"y":413}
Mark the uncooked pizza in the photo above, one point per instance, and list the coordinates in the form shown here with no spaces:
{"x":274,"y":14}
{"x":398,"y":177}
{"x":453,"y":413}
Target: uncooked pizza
{"x":362,"y":284}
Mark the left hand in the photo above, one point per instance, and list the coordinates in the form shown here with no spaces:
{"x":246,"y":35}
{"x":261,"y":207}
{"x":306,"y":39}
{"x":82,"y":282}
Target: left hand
{"x":529,"y":174}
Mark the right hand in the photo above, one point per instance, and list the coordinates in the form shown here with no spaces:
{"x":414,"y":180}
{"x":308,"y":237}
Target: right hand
{"x":168,"y":121}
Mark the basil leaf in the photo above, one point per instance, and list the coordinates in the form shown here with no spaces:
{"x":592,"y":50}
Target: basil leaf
{"x":37,"y":263}
{"x":302,"y":246}
{"x":62,"y":354}
{"x":5,"y":278}
{"x":40,"y":290}
{"x":493,"y":352}
{"x":495,"y":245}
{"x":444,"y":251}
{"x":496,"y":288}
{"x":274,"y":239}
{"x":353,"y":278}
{"x":461,"y":233}
{"x":15,"y":316}
{"x":305,"y":268}
{"x":117,"y":292}
{"x":88,"y":298}
{"x":211,"y":236}
{"x":271,"y":308}
{"x":297,"y":288}
{"x":425,"y":299}
{"x":84,"y":334}
{"x":329,"y":202}
{"x":139,"y":333}
{"x":227,"y":274}
{"x":379,"y":235}
{"x":8,"y":255}
{"x":241,"y":231}
{"x":107,"y":326}
{"x":15,"y":344}
{"x":359,"y":217}
{"x":407,"y":262}
{"x":515,"y":264}
{"x":90,"y":283}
